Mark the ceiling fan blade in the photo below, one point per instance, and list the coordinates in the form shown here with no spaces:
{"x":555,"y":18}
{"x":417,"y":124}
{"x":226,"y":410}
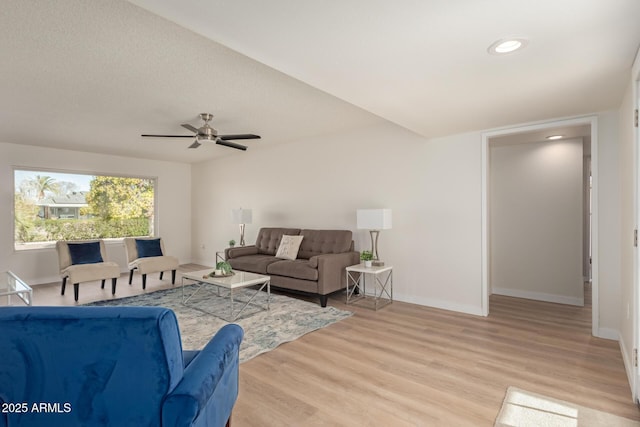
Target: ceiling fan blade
{"x":169,"y":136}
{"x":239,"y":136}
{"x":231,"y":144}
{"x":191,"y":128}
{"x":195,"y":144}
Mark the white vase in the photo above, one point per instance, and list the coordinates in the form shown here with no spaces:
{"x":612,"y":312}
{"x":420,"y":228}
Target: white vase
{"x":367,"y":264}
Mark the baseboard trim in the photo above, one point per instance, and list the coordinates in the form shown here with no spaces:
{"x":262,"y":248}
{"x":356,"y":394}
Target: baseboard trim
{"x":539,"y":296}
{"x":435,"y":303}
{"x":609,"y":334}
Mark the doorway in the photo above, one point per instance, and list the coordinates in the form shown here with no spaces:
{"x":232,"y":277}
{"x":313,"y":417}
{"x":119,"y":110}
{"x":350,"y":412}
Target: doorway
{"x":585,"y":128}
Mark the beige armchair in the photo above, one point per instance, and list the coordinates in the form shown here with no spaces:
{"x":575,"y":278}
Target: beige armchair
{"x":146,"y":254}
{"x":85,"y":261}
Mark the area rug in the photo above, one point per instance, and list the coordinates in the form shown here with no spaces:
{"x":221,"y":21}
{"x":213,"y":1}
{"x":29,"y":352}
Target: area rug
{"x":523,"y":408}
{"x":287,"y":320}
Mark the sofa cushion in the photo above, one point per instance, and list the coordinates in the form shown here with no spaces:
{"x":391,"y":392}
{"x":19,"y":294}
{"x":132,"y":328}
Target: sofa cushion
{"x":252,"y":263}
{"x":289,"y":246}
{"x":298,"y":269}
{"x":317,"y":242}
{"x":85,"y":253}
{"x":268,"y":239}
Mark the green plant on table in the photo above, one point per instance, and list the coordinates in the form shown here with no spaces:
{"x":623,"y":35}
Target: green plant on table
{"x":232,"y":243}
{"x":366,"y":255}
{"x":223,"y":266}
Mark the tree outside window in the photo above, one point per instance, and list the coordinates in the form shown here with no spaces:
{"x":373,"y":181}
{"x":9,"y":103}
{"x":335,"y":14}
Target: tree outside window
{"x":51,"y":206}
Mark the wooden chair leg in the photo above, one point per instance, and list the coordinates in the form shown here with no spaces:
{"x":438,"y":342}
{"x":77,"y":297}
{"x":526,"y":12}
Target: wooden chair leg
{"x":113,"y":285}
{"x":161,"y":273}
{"x":102,"y":286}
{"x":144,"y":281}
{"x":173,"y":277}
{"x":64,"y":285}
{"x":130,"y":276}
{"x":76,"y":291}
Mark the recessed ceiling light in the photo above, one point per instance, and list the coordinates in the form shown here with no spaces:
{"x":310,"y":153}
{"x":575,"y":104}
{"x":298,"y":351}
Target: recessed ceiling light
{"x":552,"y":137}
{"x":508,"y":45}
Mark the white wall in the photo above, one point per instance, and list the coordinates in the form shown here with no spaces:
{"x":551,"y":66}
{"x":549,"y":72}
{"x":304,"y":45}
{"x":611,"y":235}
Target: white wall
{"x":433,"y":188}
{"x":173,"y":204}
{"x":627,"y":224}
{"x":608,"y":238}
{"x":536,"y":220}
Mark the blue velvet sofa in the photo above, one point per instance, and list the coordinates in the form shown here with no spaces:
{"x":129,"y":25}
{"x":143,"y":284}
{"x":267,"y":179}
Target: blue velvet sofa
{"x":112,"y":366}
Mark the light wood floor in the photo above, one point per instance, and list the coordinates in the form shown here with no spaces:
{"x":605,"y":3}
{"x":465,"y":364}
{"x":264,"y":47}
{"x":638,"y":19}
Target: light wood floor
{"x":408,"y":365}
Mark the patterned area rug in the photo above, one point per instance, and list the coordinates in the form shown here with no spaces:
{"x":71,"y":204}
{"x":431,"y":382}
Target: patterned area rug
{"x":287,"y":320}
{"x":523,"y":408}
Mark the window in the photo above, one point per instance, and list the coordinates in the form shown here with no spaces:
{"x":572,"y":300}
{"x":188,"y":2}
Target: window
{"x":52,"y":206}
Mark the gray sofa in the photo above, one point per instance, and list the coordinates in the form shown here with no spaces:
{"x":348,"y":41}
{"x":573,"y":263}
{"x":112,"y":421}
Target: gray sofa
{"x":318,"y":269}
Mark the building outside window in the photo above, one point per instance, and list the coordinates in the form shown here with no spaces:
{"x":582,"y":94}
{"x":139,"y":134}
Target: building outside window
{"x":51,"y":206}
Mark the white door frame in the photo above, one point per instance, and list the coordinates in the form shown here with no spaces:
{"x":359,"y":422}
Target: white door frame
{"x":578,"y":121}
{"x":635,"y":305}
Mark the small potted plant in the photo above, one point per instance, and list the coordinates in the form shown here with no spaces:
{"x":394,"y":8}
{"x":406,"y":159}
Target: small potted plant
{"x":232,"y":243}
{"x":223,"y":268}
{"x":367,"y":257}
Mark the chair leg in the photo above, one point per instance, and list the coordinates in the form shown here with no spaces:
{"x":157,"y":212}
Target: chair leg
{"x":76,"y":291}
{"x":113,"y":285}
{"x":173,"y":277}
{"x":144,"y":281}
{"x":64,"y":285}
{"x":130,"y":276}
{"x":102,"y":286}
{"x":161,"y":273}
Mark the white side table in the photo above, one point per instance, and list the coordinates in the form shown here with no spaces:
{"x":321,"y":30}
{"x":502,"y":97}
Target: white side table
{"x":10,"y":284}
{"x":382,"y":285}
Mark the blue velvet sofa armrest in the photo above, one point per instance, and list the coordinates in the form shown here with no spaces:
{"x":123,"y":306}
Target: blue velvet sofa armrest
{"x":209,"y":387}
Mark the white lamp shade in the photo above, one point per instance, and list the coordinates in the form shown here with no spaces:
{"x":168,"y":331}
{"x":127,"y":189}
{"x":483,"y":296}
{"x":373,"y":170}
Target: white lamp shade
{"x":241,"y":216}
{"x":374,"y":219}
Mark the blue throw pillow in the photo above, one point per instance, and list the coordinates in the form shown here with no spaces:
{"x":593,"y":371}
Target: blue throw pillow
{"x":85,"y":253}
{"x":148,"y":247}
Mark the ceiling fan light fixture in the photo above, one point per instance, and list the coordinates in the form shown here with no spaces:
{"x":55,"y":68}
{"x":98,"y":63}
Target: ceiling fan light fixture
{"x":208,"y":133}
{"x":507,"y":45}
{"x":206,"y":137}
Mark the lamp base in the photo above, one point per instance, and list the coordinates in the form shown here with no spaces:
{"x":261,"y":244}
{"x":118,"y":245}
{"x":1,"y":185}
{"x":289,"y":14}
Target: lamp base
{"x":378,"y":263}
{"x":241,"y":234}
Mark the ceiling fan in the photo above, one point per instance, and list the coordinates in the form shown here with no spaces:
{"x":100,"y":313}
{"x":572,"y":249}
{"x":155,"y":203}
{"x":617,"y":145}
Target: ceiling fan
{"x":207,"y":133}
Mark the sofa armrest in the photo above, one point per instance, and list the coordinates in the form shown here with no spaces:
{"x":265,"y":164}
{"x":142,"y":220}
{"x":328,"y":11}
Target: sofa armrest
{"x":331,"y":275}
{"x":241,"y":251}
{"x":209,"y":384}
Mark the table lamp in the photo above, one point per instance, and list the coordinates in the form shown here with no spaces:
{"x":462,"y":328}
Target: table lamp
{"x":241,"y":216}
{"x":374,"y":220}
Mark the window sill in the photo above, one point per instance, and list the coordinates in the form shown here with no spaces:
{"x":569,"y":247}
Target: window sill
{"x":38,"y":246}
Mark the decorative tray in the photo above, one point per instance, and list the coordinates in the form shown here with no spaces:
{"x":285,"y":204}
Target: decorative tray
{"x":213,"y":274}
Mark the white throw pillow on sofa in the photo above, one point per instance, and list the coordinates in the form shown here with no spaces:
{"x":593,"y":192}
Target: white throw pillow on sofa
{"x":289,"y":246}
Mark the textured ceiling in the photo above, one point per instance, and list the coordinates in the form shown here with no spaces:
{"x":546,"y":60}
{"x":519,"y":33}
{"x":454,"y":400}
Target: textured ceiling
{"x":93,"y":76}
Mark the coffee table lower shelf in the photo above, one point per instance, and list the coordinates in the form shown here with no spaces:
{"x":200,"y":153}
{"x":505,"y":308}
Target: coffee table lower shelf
{"x":240,"y":280}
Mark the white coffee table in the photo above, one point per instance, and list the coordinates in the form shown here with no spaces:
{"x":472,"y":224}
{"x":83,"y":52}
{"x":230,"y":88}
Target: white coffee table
{"x":10,"y":284}
{"x":239,"y":280}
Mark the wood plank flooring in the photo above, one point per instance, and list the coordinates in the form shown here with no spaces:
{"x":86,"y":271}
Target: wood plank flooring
{"x":408,"y":365}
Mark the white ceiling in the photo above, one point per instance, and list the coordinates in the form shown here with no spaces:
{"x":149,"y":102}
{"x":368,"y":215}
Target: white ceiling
{"x":93,"y":76}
